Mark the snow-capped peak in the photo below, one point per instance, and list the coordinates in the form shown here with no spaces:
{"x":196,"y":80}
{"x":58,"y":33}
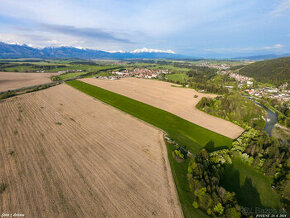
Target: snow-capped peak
{"x":115,"y":51}
{"x":150,"y":50}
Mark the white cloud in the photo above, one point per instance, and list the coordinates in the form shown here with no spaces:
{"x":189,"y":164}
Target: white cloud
{"x":282,"y":8}
{"x":163,"y":24}
{"x":134,"y":18}
{"x":277,"y":46}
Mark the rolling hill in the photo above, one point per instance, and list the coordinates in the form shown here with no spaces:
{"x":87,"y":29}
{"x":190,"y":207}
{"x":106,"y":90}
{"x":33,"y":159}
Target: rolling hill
{"x":275,"y":71}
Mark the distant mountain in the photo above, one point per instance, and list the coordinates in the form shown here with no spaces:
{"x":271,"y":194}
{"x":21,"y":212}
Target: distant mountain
{"x":24,"y":51}
{"x":275,"y":71}
{"x":18,"y":51}
{"x":263,"y":57}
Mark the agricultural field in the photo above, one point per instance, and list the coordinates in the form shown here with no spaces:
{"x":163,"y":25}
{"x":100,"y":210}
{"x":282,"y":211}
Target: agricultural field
{"x":179,"y":101}
{"x":240,"y":178}
{"x":71,"y":66}
{"x":65,"y":154}
{"x":184,"y":132}
{"x":10,"y":80}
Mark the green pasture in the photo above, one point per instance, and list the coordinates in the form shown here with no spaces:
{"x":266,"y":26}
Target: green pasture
{"x":252,"y":188}
{"x":177,"y":77}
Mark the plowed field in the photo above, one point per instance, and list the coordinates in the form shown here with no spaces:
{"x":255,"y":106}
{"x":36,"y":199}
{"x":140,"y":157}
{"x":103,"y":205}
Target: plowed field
{"x":64,"y":154}
{"x":10,"y":80}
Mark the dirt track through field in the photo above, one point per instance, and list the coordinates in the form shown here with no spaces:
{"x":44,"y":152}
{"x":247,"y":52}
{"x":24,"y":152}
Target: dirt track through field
{"x":177,"y":100}
{"x":64,"y":154}
{"x":11,"y":80}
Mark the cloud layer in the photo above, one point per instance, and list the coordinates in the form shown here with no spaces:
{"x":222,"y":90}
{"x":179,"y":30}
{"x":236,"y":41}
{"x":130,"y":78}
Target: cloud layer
{"x":92,"y":33}
{"x":199,"y":28}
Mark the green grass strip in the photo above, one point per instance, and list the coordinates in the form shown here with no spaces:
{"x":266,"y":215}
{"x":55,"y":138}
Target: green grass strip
{"x":179,"y":173}
{"x":185,"y":133}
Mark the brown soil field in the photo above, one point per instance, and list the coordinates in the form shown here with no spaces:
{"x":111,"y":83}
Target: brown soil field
{"x":11,"y":80}
{"x":177,"y":100}
{"x":65,"y":154}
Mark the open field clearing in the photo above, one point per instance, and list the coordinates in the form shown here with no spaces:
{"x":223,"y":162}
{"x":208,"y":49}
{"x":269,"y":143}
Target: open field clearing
{"x":182,"y":131}
{"x":177,"y":77}
{"x":179,"y":101}
{"x":10,"y":80}
{"x":64,"y":154}
{"x":253,"y":189}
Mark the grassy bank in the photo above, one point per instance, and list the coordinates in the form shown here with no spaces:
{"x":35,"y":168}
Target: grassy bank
{"x":70,"y":75}
{"x":185,"y":133}
{"x":179,"y":172}
{"x":252,"y":188}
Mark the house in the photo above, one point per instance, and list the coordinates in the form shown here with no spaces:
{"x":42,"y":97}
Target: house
{"x":251,"y":91}
{"x":250,"y":83}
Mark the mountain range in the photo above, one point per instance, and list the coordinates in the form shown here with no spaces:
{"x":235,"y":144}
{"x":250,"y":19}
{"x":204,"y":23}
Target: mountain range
{"x":262,"y":57}
{"x":24,"y":51}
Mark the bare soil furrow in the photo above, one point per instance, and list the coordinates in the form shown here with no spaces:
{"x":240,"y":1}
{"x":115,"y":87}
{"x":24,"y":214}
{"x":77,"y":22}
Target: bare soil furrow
{"x":65,"y":154}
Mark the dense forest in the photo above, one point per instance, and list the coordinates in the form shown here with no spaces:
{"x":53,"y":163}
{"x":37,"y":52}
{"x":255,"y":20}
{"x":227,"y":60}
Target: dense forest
{"x":204,"y":176}
{"x":203,"y":78}
{"x":214,"y":177}
{"x":275,"y":71}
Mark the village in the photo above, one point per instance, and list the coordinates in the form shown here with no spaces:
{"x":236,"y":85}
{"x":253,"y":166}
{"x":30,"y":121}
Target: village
{"x":244,"y":83}
{"x":247,"y":85}
{"x":137,"y":72}
{"x":223,"y":66}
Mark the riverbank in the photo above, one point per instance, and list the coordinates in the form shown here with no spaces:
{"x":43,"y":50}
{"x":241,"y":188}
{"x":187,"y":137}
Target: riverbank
{"x":271,"y":118}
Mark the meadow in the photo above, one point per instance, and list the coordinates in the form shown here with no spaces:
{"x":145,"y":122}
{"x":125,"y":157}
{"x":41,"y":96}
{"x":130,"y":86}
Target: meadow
{"x":177,"y":77}
{"x":52,"y":66}
{"x":252,"y":188}
{"x":179,"y":173}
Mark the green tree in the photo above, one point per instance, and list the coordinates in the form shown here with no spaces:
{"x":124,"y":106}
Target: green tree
{"x":218,"y":209}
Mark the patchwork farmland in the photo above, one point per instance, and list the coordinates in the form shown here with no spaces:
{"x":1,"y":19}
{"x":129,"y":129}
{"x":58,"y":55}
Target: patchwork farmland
{"x":163,"y":95}
{"x":64,"y":154}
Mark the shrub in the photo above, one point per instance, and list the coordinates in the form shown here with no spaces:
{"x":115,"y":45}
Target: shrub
{"x":218,"y":209}
{"x":3,"y":186}
{"x":195,"y":204}
{"x":11,"y":153}
{"x":209,"y":211}
{"x":232,"y":213}
{"x":178,"y":154}
{"x":287,"y":122}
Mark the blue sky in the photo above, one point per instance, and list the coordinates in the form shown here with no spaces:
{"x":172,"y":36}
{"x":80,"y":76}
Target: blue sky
{"x":201,"y":28}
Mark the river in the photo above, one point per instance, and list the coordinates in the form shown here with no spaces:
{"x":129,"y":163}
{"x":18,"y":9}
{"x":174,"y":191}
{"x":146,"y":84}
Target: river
{"x":271,"y":118}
